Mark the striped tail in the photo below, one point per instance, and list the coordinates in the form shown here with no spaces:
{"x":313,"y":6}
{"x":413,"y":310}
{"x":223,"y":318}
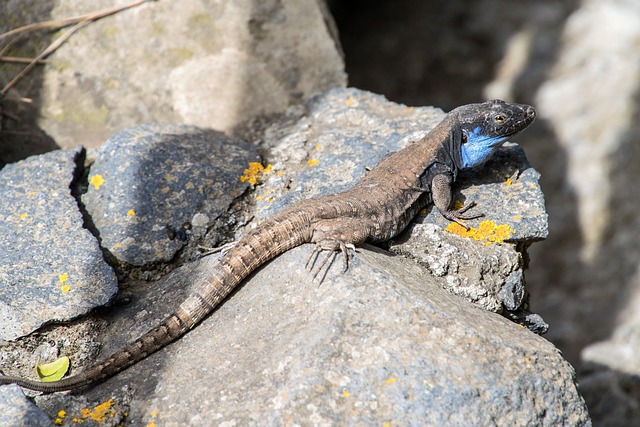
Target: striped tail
{"x":286,"y":230}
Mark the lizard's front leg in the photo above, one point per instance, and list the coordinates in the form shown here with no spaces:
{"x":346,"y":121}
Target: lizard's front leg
{"x":442,"y":196}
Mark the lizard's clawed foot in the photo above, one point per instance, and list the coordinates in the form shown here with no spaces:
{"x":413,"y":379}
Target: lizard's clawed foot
{"x":458,"y":216}
{"x":204,"y":250}
{"x":332,"y":252}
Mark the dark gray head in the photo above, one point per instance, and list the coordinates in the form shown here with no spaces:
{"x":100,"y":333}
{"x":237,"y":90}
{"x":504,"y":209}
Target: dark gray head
{"x":486,"y":126}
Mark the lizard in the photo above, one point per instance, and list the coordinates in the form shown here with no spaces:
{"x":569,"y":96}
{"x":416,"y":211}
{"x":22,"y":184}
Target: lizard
{"x":376,"y":209}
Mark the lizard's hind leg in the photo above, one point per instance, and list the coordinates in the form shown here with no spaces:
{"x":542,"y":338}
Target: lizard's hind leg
{"x":336,"y":235}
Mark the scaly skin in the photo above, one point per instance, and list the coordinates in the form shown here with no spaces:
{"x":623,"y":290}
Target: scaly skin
{"x":376,"y":209}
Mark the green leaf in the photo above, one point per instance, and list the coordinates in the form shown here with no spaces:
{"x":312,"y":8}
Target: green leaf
{"x":53,"y":371}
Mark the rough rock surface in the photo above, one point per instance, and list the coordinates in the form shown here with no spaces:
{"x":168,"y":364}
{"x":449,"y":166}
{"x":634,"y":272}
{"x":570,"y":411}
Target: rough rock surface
{"x":380,"y":343}
{"x":52,"y":268}
{"x":18,"y":411}
{"x":152,"y":184}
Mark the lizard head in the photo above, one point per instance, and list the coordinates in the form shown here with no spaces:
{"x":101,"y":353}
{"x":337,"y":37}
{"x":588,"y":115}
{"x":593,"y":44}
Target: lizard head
{"x":485,"y":127}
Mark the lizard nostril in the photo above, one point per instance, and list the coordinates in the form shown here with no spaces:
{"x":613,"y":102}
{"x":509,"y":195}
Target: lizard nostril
{"x":531,"y":112}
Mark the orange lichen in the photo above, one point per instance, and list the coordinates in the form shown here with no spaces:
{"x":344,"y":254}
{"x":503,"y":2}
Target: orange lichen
{"x":488,"y":231}
{"x":255,"y":172}
{"x":98,"y":413}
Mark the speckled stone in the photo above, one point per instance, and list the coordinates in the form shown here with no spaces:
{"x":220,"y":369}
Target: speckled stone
{"x":381,"y":342}
{"x":18,"y":411}
{"x":52,"y":267}
{"x":150,"y":183}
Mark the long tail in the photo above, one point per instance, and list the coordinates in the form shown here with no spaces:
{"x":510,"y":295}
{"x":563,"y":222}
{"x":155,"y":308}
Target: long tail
{"x":288,"y":229}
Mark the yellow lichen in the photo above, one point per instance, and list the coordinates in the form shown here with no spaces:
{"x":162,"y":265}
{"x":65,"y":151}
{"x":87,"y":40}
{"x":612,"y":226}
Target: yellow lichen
{"x":350,"y":101}
{"x":255,"y":172}
{"x":345,"y":393}
{"x":63,"y":277}
{"x":131,"y":212}
{"x":61,"y":414}
{"x":98,"y":413}
{"x":391,"y":380}
{"x":488,"y":232}
{"x":65,"y":288}
{"x":508,"y":181}
{"x":97,"y":181}
{"x":152,"y":423}
{"x":312,"y":162}
{"x":24,"y":216}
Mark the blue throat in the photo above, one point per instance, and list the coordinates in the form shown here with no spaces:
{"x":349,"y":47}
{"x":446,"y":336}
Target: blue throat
{"x":479,"y":148}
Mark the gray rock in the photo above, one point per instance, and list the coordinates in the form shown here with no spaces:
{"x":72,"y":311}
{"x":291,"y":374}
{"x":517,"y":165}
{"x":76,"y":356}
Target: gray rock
{"x":151,"y":184}
{"x":610,"y":370}
{"x":52,"y":267}
{"x":18,"y":411}
{"x":379,"y":343}
{"x":483,"y":274}
{"x":214,"y":65}
{"x":71,"y":410}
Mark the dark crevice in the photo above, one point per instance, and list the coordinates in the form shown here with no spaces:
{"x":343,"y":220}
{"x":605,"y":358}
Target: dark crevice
{"x":79,"y":186}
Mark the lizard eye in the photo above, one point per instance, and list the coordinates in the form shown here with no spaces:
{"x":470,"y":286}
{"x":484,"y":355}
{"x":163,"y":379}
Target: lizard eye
{"x":465,"y":137}
{"x":499,"y":118}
